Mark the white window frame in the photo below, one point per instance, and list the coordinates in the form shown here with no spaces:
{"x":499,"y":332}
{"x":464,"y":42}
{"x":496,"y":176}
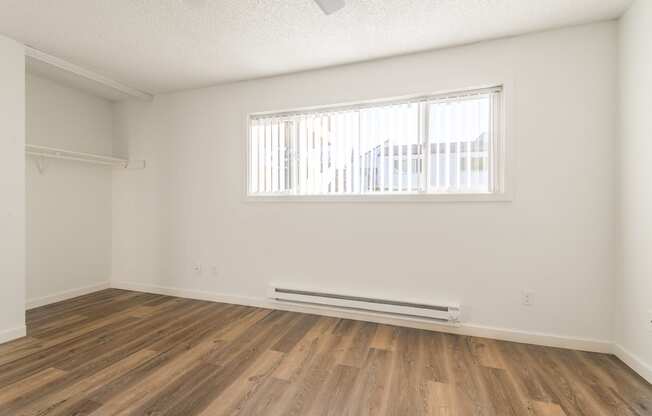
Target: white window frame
{"x":503,"y":160}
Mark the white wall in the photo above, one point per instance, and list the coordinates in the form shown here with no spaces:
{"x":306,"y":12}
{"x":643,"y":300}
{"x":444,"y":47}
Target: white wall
{"x":12,"y":190}
{"x":557,"y":237}
{"x":635,"y":278}
{"x":69,"y":205}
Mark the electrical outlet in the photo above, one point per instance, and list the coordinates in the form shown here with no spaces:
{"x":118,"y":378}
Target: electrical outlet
{"x":214,"y":270}
{"x":197,"y":268}
{"x":528,"y":298}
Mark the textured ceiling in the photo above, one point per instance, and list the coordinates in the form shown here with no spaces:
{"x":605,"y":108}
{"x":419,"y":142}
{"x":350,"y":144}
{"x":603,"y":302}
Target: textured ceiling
{"x":166,"y":45}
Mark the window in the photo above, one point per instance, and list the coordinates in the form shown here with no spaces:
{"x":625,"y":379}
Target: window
{"x":447,"y":144}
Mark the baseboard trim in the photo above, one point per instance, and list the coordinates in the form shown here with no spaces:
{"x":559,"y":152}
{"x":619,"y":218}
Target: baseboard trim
{"x":469,"y":329}
{"x":65,"y":295}
{"x":634,"y":362}
{"x":12,"y":334}
{"x":539,"y":338}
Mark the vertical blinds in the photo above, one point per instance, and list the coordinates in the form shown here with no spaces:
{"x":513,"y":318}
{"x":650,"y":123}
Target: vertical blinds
{"x":431,"y":145}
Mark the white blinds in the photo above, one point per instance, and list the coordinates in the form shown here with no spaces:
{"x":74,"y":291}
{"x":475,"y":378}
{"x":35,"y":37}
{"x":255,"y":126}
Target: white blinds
{"x":430,"y":145}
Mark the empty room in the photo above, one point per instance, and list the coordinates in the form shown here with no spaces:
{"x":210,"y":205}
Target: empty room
{"x":326,"y":207}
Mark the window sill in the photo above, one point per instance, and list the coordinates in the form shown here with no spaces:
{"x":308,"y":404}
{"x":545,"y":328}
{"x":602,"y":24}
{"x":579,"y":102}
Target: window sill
{"x":452,"y":197}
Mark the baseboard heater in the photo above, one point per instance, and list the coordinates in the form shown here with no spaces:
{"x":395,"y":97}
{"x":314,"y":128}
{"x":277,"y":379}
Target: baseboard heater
{"x":444,"y":313}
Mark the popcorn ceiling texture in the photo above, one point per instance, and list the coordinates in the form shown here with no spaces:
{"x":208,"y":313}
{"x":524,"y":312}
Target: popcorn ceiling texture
{"x":167,"y":45}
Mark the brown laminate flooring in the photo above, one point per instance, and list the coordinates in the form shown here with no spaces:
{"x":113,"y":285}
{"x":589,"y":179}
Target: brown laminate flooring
{"x":117,"y":352}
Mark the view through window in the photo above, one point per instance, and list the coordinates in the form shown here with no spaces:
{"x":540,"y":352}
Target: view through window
{"x":429,"y":145}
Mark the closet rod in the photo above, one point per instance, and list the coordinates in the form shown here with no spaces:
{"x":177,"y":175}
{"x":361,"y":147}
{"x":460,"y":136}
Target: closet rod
{"x":55,"y":153}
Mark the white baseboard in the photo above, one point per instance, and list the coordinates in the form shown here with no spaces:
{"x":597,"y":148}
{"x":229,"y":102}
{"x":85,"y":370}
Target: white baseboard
{"x":191,"y":294}
{"x":539,"y":338}
{"x":65,"y":295}
{"x":634,"y":362}
{"x":469,"y":329}
{"x":12,"y":334}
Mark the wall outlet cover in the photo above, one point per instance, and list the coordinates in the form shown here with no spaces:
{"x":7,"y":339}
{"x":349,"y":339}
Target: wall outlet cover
{"x":528,"y":298}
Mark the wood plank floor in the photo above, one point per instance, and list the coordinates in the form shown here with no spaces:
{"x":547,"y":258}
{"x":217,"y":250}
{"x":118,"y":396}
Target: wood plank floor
{"x":117,"y":352}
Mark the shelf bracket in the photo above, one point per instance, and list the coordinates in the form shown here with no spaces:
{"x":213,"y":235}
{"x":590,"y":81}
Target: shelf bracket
{"x":41,"y":164}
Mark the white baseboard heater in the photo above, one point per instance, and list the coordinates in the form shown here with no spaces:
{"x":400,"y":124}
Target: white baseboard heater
{"x":444,"y":313}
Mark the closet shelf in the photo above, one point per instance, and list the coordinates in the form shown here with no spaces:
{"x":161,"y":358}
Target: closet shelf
{"x":54,"y":153}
